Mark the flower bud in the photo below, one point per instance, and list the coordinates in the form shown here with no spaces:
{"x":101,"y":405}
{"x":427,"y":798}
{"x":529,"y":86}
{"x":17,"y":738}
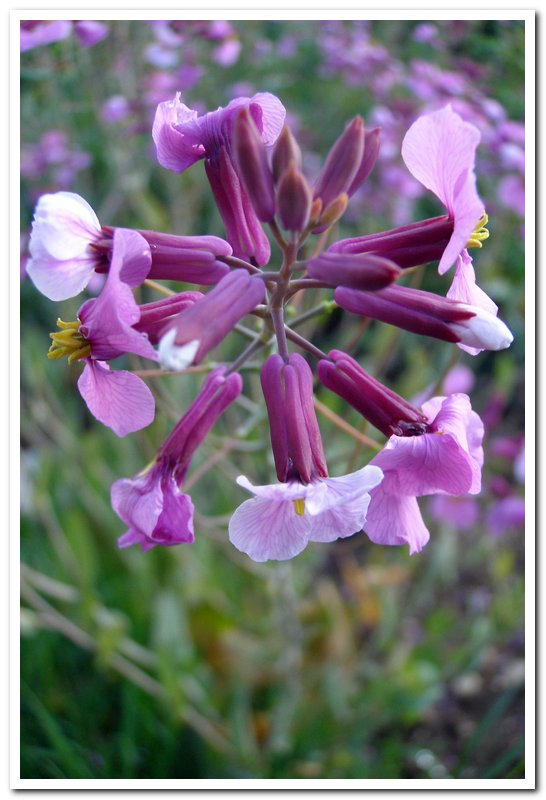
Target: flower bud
{"x":294,"y":198}
{"x":285,"y":151}
{"x":333,"y":211}
{"x":342,"y":164}
{"x":371,"y":151}
{"x":253,"y":166}
{"x":364,"y":271}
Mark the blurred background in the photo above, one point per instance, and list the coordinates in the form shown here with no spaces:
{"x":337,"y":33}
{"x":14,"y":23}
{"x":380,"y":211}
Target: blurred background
{"x":352,"y":660}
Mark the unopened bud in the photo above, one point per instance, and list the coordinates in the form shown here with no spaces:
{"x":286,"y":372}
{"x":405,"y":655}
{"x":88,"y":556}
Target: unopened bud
{"x":332,"y":212}
{"x":371,"y":151}
{"x":365,"y":271}
{"x":285,"y":151}
{"x":294,"y":198}
{"x":253,"y":166}
{"x":342,"y":164}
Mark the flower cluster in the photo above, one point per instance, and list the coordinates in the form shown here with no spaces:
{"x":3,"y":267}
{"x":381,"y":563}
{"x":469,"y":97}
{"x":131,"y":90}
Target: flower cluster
{"x":254,"y":166}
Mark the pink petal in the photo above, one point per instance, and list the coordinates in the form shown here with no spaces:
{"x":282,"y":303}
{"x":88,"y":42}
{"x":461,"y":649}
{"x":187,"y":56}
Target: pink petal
{"x":175,"y":151}
{"x":395,"y":520}
{"x":340,"y":521}
{"x":272,"y":116}
{"x":64,"y":225}
{"x":60,"y":280}
{"x":120,"y":400}
{"x":138,"y":501}
{"x":267,"y":529}
{"x":439,"y":150}
{"x":465,"y":290}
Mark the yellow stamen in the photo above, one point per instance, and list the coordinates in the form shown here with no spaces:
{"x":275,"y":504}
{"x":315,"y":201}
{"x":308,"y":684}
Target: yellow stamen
{"x":68,"y":342}
{"x":480,"y":232}
{"x":299,"y":506}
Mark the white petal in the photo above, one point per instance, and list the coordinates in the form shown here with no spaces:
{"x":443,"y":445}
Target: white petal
{"x":267,"y":529}
{"x":483,"y":330}
{"x":174,"y":357}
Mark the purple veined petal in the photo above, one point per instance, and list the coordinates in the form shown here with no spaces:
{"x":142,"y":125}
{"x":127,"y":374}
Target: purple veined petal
{"x":271,"y":116}
{"x":175,"y":523}
{"x":269,"y":529}
{"x":468,"y":209}
{"x":421,"y":465}
{"x":138,"y":501}
{"x":120,"y":400}
{"x":60,"y":280}
{"x":275,"y":491}
{"x":465,"y":290}
{"x":339,"y":521}
{"x":134,"y":256}
{"x":175,"y":150}
{"x":344,"y":489}
{"x":64,"y":225}
{"x":393,"y":519}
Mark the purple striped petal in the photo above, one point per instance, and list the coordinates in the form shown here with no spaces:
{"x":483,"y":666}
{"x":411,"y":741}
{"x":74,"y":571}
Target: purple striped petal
{"x":120,"y":400}
{"x":395,"y":520}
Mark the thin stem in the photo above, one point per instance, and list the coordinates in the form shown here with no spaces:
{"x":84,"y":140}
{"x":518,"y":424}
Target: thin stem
{"x":277,"y":235}
{"x":233,"y":261}
{"x":340,"y":423}
{"x":277,"y":317}
{"x":308,"y":283}
{"x":303,"y":343}
{"x":158,"y":287}
{"x":326,"y":307}
{"x":254,"y":346}
{"x":156,"y":373}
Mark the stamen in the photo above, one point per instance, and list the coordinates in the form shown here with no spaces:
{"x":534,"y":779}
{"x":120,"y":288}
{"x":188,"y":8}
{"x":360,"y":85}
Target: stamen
{"x":480,"y":232}
{"x":68,"y":342}
{"x":299,"y":506}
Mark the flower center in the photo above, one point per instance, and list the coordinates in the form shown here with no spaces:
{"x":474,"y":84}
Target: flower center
{"x":69,"y":342}
{"x":299,"y":506}
{"x":480,"y":232}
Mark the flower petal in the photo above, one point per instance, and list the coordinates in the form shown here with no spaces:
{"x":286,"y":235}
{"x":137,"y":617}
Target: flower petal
{"x":120,"y":400}
{"x":271,"y":117}
{"x":269,"y":529}
{"x":175,"y":150}
{"x":395,"y":520}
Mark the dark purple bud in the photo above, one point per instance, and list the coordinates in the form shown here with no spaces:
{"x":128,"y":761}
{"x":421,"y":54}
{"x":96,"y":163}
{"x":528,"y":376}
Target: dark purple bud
{"x":243,"y":229}
{"x":361,"y":271}
{"x":199,"y":328}
{"x":285,"y":152}
{"x":153,"y":316}
{"x":412,"y":310}
{"x":382,"y":407}
{"x":216,"y":394}
{"x":295,"y":435}
{"x":342,"y":164}
{"x":371,"y":151}
{"x":408,"y":246}
{"x":253,"y":166}
{"x":294,"y":198}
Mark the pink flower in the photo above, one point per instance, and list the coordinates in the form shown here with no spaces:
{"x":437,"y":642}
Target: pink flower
{"x":447,"y":459}
{"x":62,"y":260}
{"x":464,"y":289}
{"x":282,"y":518}
{"x":182,"y":137}
{"x":151,"y":503}
{"x":439,"y":150}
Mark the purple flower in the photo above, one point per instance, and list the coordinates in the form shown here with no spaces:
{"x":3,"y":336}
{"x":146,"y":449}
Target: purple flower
{"x":68,"y":244}
{"x":282,"y":518}
{"x":90,"y":32}
{"x":35,"y":33}
{"x":62,"y":260}
{"x":505,"y":514}
{"x":439,"y":150}
{"x":182,"y":138}
{"x":104,"y":330}
{"x":151,"y":504}
{"x":447,"y":458}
